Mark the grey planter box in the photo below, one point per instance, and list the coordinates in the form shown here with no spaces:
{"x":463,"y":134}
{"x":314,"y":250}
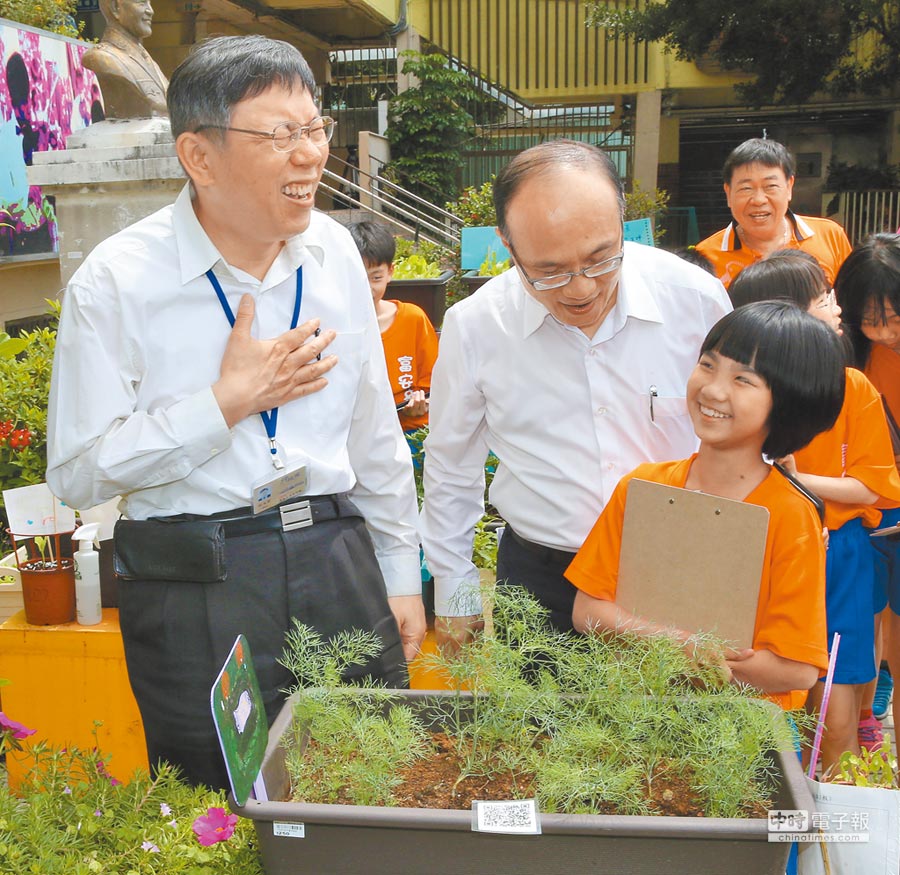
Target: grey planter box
{"x":351,"y":840}
{"x":472,"y":281}
{"x":429,"y":294}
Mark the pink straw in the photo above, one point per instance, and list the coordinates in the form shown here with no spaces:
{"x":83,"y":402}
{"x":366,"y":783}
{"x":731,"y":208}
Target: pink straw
{"x":826,"y":695}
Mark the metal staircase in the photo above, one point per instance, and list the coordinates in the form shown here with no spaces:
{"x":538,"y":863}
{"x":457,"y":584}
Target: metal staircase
{"x":407,"y":213}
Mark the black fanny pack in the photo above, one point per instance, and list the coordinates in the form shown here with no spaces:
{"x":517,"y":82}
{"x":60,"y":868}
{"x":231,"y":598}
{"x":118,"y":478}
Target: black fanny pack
{"x":170,"y":550}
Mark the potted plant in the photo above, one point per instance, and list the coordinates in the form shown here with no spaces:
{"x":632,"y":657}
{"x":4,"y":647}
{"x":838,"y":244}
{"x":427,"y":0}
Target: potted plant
{"x":491,"y":266}
{"x":48,"y":578}
{"x":419,"y":278}
{"x":603,"y":737}
{"x":859,"y":796}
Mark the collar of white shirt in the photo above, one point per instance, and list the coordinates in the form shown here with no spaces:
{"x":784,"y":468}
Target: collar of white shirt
{"x":197,"y":253}
{"x":635,"y":300}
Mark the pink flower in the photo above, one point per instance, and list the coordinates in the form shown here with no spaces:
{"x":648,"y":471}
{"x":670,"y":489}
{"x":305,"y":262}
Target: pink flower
{"x":150,"y":847}
{"x":17,"y":729}
{"x":103,"y":773}
{"x":214,"y":826}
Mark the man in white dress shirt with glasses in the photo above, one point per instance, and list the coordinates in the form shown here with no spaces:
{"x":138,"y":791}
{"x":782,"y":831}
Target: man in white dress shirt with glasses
{"x":571,"y":367}
{"x":219,"y":365}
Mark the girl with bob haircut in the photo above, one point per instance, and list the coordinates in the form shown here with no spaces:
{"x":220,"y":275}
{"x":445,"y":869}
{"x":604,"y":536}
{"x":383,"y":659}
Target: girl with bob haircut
{"x":851,"y":467}
{"x":769,"y":378}
{"x":868,"y":288}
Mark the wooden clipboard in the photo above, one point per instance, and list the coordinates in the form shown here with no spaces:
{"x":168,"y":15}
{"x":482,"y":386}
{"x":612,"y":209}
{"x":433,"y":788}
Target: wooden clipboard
{"x":692,"y":561}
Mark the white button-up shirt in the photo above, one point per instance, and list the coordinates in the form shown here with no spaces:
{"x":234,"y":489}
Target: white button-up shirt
{"x":140,"y":342}
{"x":567,"y":415}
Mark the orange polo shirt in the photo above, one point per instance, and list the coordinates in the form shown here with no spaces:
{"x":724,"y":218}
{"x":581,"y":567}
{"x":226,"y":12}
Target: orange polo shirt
{"x":883,"y":369}
{"x":823,"y":239}
{"x":790,"y":614}
{"x":410,"y":348}
{"x":859,"y":445}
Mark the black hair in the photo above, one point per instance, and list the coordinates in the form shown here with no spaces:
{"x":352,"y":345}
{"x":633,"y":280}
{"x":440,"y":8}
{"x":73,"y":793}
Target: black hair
{"x":798,"y":356}
{"x":692,"y":255}
{"x":375,"y":243}
{"x":547,"y":157}
{"x":221,"y":72}
{"x":785,"y":275}
{"x":869,"y":275}
{"x":769,"y":153}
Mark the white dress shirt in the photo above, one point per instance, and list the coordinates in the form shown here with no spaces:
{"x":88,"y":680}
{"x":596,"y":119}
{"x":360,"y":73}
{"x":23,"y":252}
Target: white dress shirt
{"x":567,"y":415}
{"x":140,"y":342}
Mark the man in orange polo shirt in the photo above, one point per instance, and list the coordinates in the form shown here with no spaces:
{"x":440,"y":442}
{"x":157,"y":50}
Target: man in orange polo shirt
{"x":759,"y":183}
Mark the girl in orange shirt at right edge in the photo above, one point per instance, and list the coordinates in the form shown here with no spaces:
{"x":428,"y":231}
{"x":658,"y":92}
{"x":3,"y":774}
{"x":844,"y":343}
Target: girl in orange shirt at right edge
{"x":851,"y":467}
{"x":868,"y":290}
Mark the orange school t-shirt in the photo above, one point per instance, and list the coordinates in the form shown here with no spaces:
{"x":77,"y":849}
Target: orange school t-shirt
{"x":883,"y":369}
{"x":823,"y":239}
{"x":790,"y":614}
{"x":859,"y":446}
{"x":410,"y":348}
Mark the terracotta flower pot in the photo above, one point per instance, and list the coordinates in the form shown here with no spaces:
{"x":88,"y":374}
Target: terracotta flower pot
{"x":48,"y":593}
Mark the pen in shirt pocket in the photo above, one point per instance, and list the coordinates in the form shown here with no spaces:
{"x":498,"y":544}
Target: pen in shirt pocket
{"x":654,"y":393}
{"x":317,"y":332}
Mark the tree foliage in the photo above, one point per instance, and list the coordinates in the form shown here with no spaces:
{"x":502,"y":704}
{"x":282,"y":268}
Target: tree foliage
{"x":427,"y":126}
{"x":57,"y":16}
{"x":791,"y":48}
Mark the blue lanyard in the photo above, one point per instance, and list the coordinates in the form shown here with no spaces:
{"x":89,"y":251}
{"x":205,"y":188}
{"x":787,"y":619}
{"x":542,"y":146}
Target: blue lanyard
{"x":269,"y":418}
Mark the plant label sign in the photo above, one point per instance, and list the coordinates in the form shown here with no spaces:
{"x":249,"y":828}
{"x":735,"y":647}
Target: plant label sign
{"x":510,"y":817}
{"x":35,"y":510}
{"x":240,"y":718}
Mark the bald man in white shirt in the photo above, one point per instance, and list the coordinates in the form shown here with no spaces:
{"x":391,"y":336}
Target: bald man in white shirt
{"x":571,"y":367}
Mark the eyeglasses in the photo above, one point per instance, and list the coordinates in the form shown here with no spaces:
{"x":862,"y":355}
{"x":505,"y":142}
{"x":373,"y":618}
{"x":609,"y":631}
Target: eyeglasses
{"x":287,"y":136}
{"x":829,"y":302}
{"x":558,"y":280}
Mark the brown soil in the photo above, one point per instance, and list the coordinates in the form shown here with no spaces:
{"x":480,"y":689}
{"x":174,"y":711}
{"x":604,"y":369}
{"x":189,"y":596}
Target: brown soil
{"x":433,"y":782}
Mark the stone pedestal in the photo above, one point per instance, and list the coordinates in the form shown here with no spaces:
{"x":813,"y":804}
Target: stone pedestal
{"x":109,"y":175}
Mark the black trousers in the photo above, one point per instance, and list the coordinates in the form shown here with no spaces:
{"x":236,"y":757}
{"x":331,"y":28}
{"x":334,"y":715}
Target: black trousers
{"x":540,"y":571}
{"x":177,"y":635}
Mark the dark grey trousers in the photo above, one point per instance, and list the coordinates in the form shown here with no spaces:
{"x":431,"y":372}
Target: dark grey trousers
{"x":540,"y":571}
{"x":177,"y":635}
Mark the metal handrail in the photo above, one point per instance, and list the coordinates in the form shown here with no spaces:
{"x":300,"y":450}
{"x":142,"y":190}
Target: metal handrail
{"x":416,"y":222}
{"x":419,"y":225}
{"x":406,"y":193}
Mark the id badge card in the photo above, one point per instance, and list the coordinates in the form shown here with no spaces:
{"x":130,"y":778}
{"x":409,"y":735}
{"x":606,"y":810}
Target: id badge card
{"x":276,"y":487}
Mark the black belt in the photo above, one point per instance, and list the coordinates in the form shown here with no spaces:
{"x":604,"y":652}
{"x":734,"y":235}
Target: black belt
{"x":296,"y":513}
{"x":547,"y":554}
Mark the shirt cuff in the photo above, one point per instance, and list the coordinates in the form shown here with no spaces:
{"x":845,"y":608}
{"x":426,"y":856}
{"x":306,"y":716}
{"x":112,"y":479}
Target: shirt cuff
{"x":402,"y":574}
{"x":457,"y":596}
{"x":200,"y":426}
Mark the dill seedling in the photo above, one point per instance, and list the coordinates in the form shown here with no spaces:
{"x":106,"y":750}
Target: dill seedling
{"x":591,"y":723}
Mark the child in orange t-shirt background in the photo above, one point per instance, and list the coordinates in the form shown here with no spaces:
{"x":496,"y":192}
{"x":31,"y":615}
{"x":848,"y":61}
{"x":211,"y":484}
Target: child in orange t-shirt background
{"x":868,"y":290}
{"x":409,"y":340}
{"x":851,"y":467}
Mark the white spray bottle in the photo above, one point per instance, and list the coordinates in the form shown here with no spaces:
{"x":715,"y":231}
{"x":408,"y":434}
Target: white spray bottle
{"x":87,"y":576}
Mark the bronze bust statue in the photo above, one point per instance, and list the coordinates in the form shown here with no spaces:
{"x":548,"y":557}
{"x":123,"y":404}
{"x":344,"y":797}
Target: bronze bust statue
{"x":133,"y":86}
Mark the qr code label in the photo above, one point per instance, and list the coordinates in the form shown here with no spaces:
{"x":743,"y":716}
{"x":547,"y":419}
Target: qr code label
{"x":516,"y":817}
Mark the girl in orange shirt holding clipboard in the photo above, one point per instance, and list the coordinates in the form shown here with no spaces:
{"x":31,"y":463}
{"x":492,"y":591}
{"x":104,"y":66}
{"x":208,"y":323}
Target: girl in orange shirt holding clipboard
{"x":769,"y":378}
